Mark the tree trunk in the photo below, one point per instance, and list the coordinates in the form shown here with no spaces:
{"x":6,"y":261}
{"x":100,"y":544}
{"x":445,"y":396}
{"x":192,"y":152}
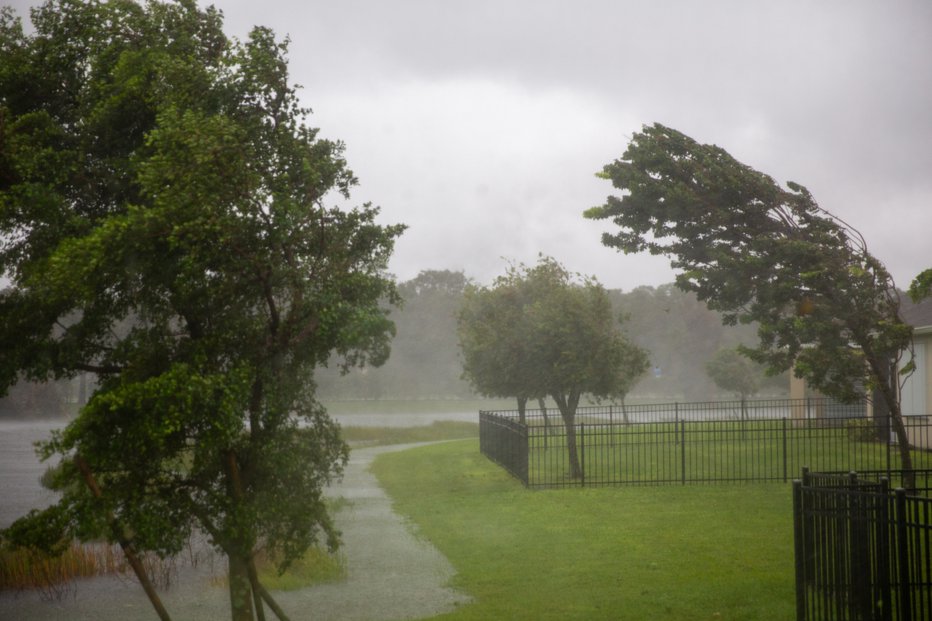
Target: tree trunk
{"x":238,"y":554}
{"x":543,"y":410}
{"x":567,"y":405}
{"x":125,"y":543}
{"x":888,"y":390}
{"x":240,"y":588}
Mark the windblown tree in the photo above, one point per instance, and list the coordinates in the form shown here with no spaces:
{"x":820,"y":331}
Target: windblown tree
{"x":168,"y":224}
{"x":758,"y":252}
{"x":538,"y":332}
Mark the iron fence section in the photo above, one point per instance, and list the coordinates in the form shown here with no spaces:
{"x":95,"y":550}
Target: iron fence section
{"x":765,"y":440}
{"x":504,"y":441}
{"x":862,"y":550}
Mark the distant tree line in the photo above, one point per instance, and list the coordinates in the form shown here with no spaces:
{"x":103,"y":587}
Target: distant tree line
{"x":679,"y":333}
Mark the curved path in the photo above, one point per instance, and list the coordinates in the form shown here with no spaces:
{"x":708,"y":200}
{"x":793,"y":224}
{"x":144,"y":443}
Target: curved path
{"x":391,"y":574}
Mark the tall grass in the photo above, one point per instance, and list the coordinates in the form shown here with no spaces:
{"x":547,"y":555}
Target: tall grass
{"x":54,"y":576}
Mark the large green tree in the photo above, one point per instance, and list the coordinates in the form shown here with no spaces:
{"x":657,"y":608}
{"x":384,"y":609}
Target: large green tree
{"x":762,"y":253}
{"x":540,"y":331}
{"x":169,"y":225}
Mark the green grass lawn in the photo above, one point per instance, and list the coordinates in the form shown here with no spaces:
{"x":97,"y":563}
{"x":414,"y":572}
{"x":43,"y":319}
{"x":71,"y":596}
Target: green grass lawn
{"x":669,"y":552}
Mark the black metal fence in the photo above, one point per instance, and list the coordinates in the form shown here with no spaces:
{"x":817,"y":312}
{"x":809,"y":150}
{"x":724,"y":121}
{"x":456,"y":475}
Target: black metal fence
{"x":504,"y":441}
{"x":862,"y":549}
{"x":690,"y":442}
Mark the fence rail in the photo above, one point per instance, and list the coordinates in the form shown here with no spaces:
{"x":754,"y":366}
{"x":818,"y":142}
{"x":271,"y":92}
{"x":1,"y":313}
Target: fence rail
{"x":689,"y":442}
{"x":862,"y":549}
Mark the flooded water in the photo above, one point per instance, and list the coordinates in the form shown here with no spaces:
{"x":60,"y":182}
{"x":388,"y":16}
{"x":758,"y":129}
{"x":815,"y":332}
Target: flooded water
{"x":20,"y":468}
{"x":392,"y":574}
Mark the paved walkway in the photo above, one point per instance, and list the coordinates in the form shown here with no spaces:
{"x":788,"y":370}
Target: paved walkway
{"x":392,"y":574}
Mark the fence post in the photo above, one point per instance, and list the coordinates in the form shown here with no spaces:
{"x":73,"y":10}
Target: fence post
{"x":611,"y":425}
{"x":525,"y":454}
{"x":882,"y":535}
{"x":582,"y":455}
{"x":683,"y":451}
{"x":784,"y":450}
{"x":904,"y":607}
{"x":860,"y":598}
{"x":798,"y":535}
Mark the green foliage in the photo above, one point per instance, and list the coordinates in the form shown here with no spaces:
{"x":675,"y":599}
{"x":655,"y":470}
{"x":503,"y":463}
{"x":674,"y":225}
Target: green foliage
{"x":861,"y":430}
{"x":921,"y":287}
{"x":316,"y":566}
{"x":757,"y":252}
{"x":168,"y":224}
{"x":536,"y":332}
{"x":735,"y":373}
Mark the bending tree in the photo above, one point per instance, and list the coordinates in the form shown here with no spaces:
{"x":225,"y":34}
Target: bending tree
{"x":544,"y":334}
{"x":165,"y":222}
{"x":762,"y":253}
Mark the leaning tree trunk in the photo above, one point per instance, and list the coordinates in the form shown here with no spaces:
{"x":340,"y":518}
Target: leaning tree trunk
{"x":888,"y":390}
{"x":120,"y":534}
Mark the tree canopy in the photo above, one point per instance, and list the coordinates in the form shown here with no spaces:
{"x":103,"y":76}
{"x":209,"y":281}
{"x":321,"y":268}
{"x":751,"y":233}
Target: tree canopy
{"x":537,"y":331}
{"x":169,"y":224}
{"x":735,"y":373}
{"x":761,"y":253}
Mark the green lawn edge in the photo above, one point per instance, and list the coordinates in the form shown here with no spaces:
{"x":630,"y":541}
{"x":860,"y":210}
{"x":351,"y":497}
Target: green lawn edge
{"x":664,"y":552}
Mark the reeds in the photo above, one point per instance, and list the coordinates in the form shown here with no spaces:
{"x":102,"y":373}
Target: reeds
{"x":55,"y":577}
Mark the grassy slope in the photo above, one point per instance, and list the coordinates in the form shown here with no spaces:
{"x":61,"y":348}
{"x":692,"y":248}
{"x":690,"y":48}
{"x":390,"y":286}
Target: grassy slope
{"x":694,"y":552}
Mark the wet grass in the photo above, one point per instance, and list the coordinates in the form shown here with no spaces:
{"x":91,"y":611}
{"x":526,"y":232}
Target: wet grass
{"x":692,"y":552}
{"x":317,"y":566}
{"x":437,"y":431}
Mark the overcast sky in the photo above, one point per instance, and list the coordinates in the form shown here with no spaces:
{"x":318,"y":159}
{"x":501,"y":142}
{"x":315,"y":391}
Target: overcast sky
{"x":481,"y":124}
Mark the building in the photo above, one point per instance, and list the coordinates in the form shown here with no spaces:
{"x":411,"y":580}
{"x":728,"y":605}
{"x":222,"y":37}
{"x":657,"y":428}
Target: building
{"x":916,"y":396}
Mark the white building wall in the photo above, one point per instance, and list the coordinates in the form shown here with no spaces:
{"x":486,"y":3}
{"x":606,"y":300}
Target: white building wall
{"x":914,"y":398}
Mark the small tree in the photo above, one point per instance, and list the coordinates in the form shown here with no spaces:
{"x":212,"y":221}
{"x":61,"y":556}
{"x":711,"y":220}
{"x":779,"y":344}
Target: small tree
{"x":542,"y":333}
{"x":735,"y":373}
{"x":760,"y":253}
